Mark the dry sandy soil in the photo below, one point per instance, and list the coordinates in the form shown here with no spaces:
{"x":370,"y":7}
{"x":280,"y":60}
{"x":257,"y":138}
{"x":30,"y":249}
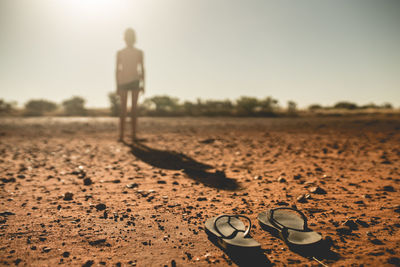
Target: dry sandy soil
{"x":70,"y":194}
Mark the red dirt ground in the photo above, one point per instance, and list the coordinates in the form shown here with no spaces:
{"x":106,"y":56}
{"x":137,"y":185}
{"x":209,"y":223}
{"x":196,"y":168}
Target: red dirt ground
{"x":158,"y":194}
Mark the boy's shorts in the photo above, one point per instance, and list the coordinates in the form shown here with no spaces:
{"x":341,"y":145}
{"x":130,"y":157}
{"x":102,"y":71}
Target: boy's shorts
{"x":132,"y":86}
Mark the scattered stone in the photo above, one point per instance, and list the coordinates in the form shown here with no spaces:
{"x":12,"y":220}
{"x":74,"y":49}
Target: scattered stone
{"x":302,"y":199}
{"x":6,"y":213}
{"x":101,"y":206}
{"x":68,"y":196}
{"x":207,"y":141}
{"x":362,"y":223}
{"x":10,"y":180}
{"x":88,"y":263}
{"x":281,"y":179}
{"x":282,"y":203}
{"x":351,"y":224}
{"x":132,"y":185}
{"x":317,"y":190}
{"x":87,"y":181}
{"x":46,"y":249}
{"x":376,"y":241}
{"x":97,"y":242}
{"x":397,"y":209}
{"x":388,"y":188}
{"x":297,"y":176}
{"x":345,"y":230}
{"x":394,"y":260}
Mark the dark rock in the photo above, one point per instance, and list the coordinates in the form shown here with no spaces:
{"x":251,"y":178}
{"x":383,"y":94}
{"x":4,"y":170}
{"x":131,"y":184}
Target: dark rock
{"x":87,"y":181}
{"x":116,"y":181}
{"x":207,"y":141}
{"x":132,"y":185}
{"x":302,"y":199}
{"x":351,"y":224}
{"x":317,"y":190}
{"x":394,"y":260}
{"x":282,"y":203}
{"x":161,"y":182}
{"x":345,"y":230}
{"x":97,"y":242}
{"x":201,"y":199}
{"x":68,"y":196}
{"x":66,"y":254}
{"x":88,"y":263}
{"x":281,"y":179}
{"x":46,"y":249}
{"x":6,"y":213}
{"x":362,"y":223}
{"x":376,"y":241}
{"x":388,"y":188}
{"x":397,"y":209}
{"x":10,"y":180}
{"x":101,"y":206}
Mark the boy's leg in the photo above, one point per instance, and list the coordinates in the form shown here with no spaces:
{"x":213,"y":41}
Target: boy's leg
{"x":123,"y":100}
{"x":135,"y":95}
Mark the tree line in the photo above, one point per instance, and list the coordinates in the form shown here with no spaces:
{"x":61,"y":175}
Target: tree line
{"x":163,"y":105}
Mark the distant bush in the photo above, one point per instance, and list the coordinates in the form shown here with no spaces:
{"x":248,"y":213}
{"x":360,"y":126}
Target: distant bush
{"x":38,"y":107}
{"x":162,"y":106}
{"x":115,"y":104}
{"x":345,"y":105}
{"x":75,"y":106}
{"x":268,"y":106}
{"x":6,"y":107}
{"x":387,"y":106}
{"x":315,"y":107}
{"x":292,"y":108}
{"x":247,"y":106}
{"x":244,"y":106}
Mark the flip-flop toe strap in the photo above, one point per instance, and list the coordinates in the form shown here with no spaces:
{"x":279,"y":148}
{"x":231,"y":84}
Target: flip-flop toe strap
{"x":281,"y":226}
{"x":245,"y":233}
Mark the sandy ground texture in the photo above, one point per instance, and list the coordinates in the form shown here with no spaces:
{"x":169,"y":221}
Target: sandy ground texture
{"x":71,"y":195}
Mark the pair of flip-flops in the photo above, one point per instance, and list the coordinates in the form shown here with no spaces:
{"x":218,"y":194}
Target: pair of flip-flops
{"x":287,"y":223}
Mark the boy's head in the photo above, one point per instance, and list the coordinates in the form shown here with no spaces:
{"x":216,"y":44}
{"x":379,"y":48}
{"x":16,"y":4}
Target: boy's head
{"x":130,"y":37}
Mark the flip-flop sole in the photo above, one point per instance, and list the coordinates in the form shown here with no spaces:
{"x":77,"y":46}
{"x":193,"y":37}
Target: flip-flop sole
{"x":295,"y":236}
{"x":227,"y":228}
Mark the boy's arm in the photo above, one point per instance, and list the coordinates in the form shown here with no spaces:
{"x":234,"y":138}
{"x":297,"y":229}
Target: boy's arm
{"x":142,"y":74}
{"x":117,"y":71}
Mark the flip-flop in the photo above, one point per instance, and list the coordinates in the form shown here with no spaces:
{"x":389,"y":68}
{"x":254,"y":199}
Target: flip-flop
{"x":291,"y":226}
{"x":230,"y":232}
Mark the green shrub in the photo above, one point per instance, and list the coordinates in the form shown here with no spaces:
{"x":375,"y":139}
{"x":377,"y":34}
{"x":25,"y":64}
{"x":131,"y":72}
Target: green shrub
{"x":345,"y":105}
{"x":74,"y":106}
{"x":115,"y":104}
{"x":37,"y":107}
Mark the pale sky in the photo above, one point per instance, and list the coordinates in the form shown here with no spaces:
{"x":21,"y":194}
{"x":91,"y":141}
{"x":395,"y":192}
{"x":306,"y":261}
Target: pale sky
{"x":309,"y":51}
